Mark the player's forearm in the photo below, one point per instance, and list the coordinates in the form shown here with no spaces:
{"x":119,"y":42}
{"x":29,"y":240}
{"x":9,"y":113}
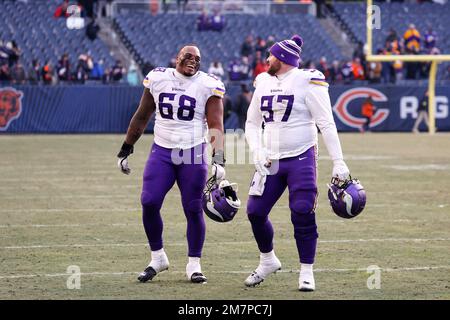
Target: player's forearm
{"x":140,"y":118}
{"x":332,"y":143}
{"x":253,"y":135}
{"x":135,"y":130}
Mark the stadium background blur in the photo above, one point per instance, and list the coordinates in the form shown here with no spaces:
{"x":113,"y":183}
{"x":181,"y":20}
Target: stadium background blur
{"x":64,"y":201}
{"x":118,"y":42}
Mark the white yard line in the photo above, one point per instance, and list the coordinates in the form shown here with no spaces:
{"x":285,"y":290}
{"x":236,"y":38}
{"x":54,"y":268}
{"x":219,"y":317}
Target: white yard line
{"x":217,"y":243}
{"x":131,"y":224}
{"x":319,"y":270}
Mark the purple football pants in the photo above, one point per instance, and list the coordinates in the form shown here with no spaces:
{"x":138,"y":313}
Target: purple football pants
{"x":161,"y":171}
{"x":299,"y":175}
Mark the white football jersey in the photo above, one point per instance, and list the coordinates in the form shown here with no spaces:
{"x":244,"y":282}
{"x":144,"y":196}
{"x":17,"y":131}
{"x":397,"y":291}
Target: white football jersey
{"x":180,"y":106}
{"x":289,"y":106}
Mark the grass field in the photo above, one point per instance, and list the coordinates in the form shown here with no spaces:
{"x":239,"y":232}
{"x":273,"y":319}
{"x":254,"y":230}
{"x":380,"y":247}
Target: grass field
{"x":64,"y":202}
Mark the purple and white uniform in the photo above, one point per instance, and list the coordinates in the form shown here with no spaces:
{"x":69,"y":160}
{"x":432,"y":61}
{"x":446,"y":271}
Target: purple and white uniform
{"x":290,"y":106}
{"x":178,"y":152}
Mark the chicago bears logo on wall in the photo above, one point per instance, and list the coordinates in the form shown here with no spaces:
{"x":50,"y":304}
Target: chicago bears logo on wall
{"x":341,"y":107}
{"x":10,"y":106}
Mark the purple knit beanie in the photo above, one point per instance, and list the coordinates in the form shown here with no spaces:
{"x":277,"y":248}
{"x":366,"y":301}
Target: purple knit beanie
{"x":288,"y":51}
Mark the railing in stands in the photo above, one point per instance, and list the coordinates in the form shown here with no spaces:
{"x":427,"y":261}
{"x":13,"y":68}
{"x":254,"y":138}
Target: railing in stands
{"x":224,"y":7}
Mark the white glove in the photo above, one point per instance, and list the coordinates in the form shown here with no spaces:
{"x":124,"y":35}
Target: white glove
{"x":340,"y":170}
{"x":261,"y":161}
{"x":218,"y":171}
{"x":123,"y":165}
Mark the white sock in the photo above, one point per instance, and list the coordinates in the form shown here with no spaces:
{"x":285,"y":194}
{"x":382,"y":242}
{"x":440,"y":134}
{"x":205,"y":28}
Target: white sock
{"x":194,"y":260}
{"x":266,"y":257}
{"x":306,"y":268}
{"x":193,"y":266}
{"x":156,"y":254}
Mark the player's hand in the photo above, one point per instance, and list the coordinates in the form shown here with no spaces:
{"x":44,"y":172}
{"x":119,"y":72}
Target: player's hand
{"x":218,"y":171}
{"x":123,"y":154}
{"x":340,"y":170}
{"x":261,"y":161}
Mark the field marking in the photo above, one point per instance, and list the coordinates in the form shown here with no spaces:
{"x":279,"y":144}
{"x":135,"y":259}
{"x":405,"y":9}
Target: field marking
{"x":173,"y":244}
{"x":318,"y":270}
{"x":132,"y":224}
{"x":177,"y":195}
{"x":419,"y":167}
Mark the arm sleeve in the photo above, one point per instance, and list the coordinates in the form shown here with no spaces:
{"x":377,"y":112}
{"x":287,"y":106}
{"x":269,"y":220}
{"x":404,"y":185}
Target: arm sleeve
{"x":318,"y":102}
{"x":253,"y":131}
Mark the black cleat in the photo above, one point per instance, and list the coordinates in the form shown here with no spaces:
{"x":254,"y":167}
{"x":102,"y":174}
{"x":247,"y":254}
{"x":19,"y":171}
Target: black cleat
{"x":148,"y":274}
{"x":198,"y":277}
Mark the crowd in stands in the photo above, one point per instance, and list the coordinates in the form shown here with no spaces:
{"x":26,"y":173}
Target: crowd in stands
{"x":65,"y":71}
{"x":214,"y":22}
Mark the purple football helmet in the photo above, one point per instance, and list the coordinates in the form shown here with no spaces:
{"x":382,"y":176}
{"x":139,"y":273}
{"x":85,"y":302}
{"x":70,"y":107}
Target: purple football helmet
{"x":220,"y":201}
{"x":347,"y":198}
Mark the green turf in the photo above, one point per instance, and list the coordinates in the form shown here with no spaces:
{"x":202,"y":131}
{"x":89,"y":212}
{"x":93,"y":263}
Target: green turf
{"x":64,"y":202}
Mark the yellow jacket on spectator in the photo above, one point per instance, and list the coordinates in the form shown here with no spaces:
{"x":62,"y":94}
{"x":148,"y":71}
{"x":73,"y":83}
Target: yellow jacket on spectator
{"x":412,"y":39}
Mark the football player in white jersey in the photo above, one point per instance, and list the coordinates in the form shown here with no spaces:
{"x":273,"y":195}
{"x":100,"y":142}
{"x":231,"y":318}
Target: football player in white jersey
{"x":289,"y":103}
{"x":187,"y":103}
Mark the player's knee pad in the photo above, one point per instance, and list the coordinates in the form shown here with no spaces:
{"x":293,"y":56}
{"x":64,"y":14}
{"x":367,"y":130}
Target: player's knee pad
{"x":305,"y":227}
{"x":254,"y":208}
{"x":304,"y":205}
{"x":193,"y":209}
{"x":150,"y":202}
{"x":257,"y":219}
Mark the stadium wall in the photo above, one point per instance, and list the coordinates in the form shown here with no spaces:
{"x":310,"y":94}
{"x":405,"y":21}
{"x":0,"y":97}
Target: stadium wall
{"x":108,"y":109}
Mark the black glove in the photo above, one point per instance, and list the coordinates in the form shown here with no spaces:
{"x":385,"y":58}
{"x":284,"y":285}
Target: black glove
{"x":123,"y":154}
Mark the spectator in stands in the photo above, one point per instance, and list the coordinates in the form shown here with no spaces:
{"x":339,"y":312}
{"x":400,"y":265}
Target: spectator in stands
{"x":422,"y":113}
{"x":82,"y":70}
{"x":430,"y":40}
{"x":132,"y":75}
{"x":357,"y":69}
{"x":259,"y":65}
{"x":63,"y":68}
{"x":181,"y":6}
{"x":216,"y":69}
{"x":374,"y":71}
{"x":15,"y":52}
{"x":248,"y":47}
{"x":98,"y":71}
{"x":88,"y":7}
{"x":203,"y":21}
{"x":241,"y":106}
{"x":4,"y":53}
{"x":261,"y":46}
{"x":269,"y":43}
{"x":245,"y":68}
{"x":397,"y":66}
{"x":234,"y":70}
{"x":367,"y":111}
{"x":117,"y":71}
{"x":323,"y":67}
{"x":47,"y":73}
{"x":5,"y":74}
{"x":18,"y":75}
{"x":346,"y":71}
{"x":61,"y":10}
{"x":35,"y":73}
{"x":92,"y":29}
{"x":335,"y":73}
{"x":227,"y":107}
{"x":412,"y":40}
{"x":217,"y":21}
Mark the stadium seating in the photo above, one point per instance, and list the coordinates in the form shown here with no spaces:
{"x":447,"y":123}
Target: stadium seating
{"x":399,"y":16}
{"x":156,"y":39}
{"x":41,"y":36}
